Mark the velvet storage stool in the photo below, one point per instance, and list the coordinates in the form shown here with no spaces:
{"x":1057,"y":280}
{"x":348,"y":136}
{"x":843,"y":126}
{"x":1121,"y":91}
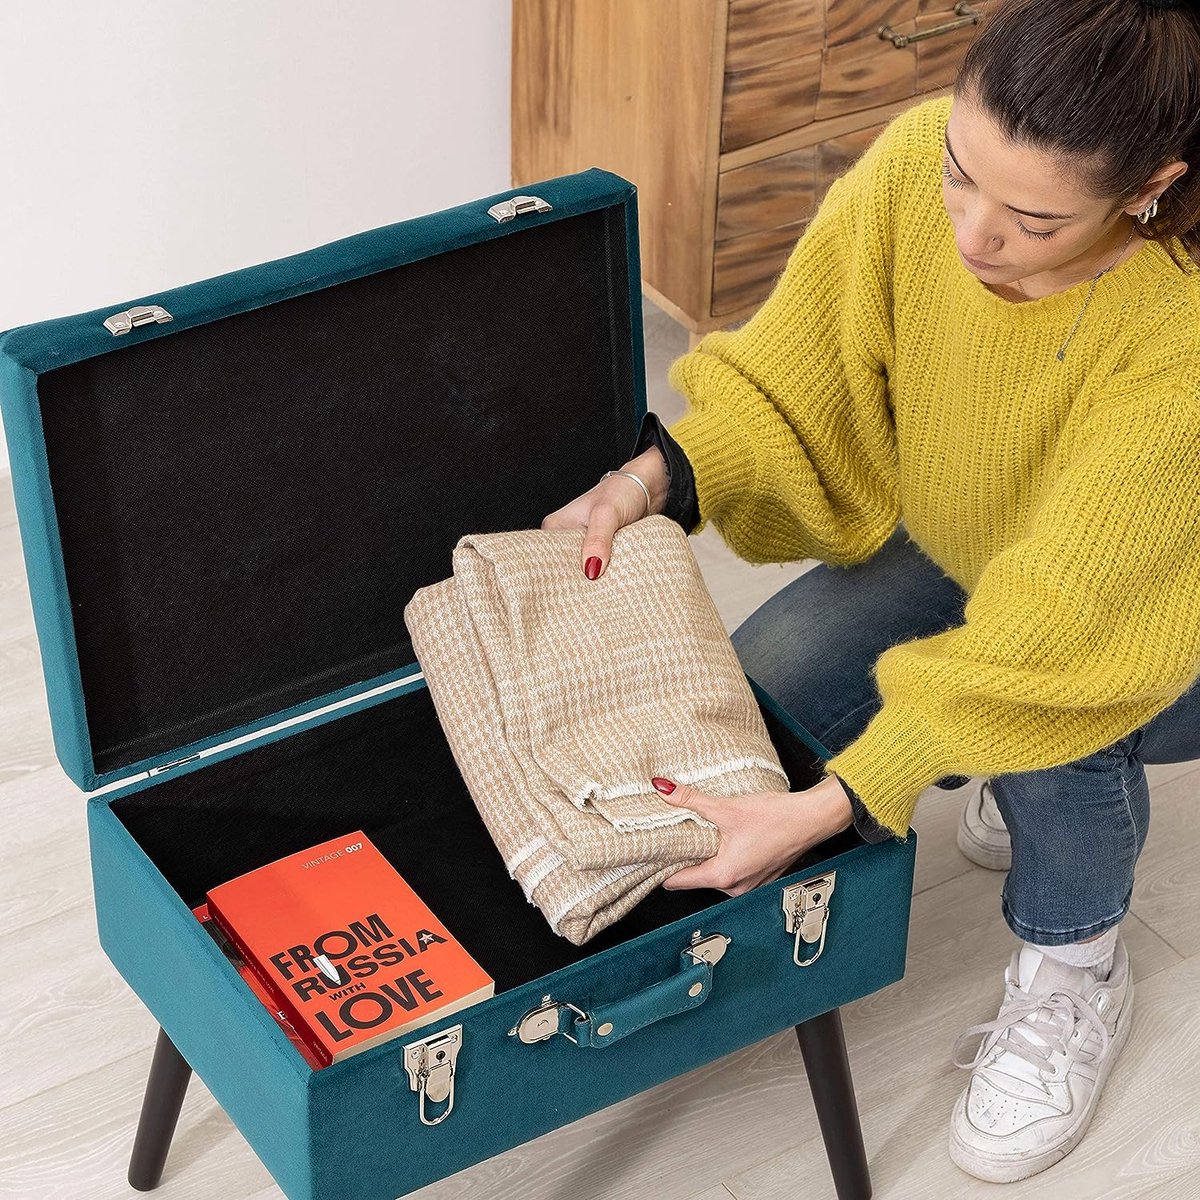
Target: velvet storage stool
{"x":227,"y":493}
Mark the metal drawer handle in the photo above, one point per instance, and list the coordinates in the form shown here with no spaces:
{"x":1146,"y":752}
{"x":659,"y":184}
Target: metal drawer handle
{"x":608,"y":1023}
{"x":967,"y":15}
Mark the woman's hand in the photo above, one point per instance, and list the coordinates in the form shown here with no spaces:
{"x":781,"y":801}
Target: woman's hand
{"x":611,"y":504}
{"x":761,"y":834}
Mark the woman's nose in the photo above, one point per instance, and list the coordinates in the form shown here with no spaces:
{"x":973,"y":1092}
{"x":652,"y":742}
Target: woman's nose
{"x":976,"y":235}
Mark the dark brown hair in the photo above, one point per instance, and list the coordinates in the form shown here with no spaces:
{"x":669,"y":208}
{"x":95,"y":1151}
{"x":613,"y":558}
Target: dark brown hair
{"x":1114,"y":84}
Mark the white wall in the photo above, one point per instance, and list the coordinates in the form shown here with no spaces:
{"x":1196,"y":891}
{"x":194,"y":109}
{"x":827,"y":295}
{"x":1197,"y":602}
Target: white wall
{"x":150,"y":143}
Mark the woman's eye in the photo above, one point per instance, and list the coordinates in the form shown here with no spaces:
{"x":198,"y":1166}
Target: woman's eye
{"x":1041,"y":235}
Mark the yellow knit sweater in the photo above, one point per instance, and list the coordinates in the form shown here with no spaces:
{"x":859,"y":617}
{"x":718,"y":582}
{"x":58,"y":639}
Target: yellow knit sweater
{"x":882,"y":381}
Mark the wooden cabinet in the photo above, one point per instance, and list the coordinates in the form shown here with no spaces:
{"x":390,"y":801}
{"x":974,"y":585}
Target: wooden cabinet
{"x":731,"y":116}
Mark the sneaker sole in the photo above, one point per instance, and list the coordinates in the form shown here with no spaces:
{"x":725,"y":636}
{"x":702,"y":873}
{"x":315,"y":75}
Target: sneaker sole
{"x":997,"y":1168}
{"x":982,"y":853}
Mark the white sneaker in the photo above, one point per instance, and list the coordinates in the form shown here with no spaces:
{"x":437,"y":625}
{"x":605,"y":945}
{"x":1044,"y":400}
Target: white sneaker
{"x":982,"y":834}
{"x":1039,"y":1071}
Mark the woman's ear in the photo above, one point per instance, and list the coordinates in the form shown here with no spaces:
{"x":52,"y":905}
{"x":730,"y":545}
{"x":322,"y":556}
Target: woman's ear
{"x":1154,"y":188}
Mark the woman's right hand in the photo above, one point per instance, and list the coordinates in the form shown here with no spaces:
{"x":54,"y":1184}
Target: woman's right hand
{"x":613,"y":503}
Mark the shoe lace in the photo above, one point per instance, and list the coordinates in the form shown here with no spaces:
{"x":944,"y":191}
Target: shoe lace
{"x":1063,"y":1007}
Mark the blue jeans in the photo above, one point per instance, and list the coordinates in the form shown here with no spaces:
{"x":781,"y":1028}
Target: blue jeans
{"x":1076,"y":830}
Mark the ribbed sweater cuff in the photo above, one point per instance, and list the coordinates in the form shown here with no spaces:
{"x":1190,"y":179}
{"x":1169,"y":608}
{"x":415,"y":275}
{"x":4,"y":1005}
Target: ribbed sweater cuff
{"x":721,"y":455}
{"x":893,"y":761}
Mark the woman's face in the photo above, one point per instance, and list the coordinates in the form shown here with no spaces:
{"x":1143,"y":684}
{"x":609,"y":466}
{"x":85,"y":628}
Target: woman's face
{"x":1015,"y":212}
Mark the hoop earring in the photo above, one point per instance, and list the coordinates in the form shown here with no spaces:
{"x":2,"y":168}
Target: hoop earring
{"x":1150,"y":213}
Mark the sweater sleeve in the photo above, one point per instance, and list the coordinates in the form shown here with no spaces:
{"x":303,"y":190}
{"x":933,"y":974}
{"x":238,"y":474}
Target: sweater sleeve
{"x":1077,"y":634}
{"x":789,"y":429}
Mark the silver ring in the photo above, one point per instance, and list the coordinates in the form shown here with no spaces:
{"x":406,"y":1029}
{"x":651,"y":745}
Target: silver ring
{"x":636,"y":479}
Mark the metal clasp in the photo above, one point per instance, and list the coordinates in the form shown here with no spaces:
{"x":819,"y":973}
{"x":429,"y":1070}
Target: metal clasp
{"x":430,"y":1064}
{"x":506,"y":210}
{"x":143,"y":314}
{"x":806,"y":913}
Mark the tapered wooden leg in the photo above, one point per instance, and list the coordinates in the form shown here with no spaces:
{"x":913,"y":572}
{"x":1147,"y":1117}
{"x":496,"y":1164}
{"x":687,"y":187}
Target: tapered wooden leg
{"x":824,"y":1051}
{"x":165,"y":1089}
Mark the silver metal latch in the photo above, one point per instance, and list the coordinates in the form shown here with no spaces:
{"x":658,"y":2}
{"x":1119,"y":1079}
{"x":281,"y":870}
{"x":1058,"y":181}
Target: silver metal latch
{"x":506,"y":210}
{"x":144,"y":314}
{"x":806,"y":913}
{"x":430,"y":1064}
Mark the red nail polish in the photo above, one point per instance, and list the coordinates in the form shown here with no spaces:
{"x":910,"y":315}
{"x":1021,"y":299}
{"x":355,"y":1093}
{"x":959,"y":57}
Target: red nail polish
{"x":663,"y":785}
{"x":591,"y":568}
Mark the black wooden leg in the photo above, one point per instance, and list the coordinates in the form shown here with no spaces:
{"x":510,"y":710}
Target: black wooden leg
{"x":165,"y":1089}
{"x":824,"y":1051}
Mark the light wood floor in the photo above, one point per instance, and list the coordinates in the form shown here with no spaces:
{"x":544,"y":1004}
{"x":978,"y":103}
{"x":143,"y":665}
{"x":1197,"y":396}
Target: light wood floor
{"x":76,"y":1043}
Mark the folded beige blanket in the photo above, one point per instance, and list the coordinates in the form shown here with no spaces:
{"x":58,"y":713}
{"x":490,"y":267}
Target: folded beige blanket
{"x":561,"y":697}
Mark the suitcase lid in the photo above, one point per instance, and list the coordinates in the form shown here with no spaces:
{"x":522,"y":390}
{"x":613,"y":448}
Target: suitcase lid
{"x":224,"y":514}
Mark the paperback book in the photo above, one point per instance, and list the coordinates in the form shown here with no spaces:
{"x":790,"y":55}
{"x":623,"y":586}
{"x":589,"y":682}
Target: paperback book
{"x":347,"y":952}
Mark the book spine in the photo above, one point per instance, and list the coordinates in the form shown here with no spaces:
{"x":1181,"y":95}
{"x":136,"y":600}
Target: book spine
{"x":279,"y":994}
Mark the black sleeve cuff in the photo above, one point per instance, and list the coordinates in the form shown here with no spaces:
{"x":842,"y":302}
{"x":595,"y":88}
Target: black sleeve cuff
{"x":682,"y":505}
{"x":865,"y":825}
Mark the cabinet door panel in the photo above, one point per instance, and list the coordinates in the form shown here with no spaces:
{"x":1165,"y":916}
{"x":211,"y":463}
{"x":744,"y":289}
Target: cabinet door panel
{"x":764,"y":195}
{"x":767,"y":31}
{"x":764,"y":101}
{"x":746,"y":268}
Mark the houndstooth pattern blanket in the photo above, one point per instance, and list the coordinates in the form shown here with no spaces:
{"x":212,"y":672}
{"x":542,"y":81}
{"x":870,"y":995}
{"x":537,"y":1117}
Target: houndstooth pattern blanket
{"x":561,"y":697}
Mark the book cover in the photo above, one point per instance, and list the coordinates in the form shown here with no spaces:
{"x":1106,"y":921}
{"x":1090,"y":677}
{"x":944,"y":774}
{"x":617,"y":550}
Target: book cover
{"x":345,"y":948}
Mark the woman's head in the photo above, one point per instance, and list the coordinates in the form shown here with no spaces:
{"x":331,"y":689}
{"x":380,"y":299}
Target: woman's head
{"x":1085,"y":110}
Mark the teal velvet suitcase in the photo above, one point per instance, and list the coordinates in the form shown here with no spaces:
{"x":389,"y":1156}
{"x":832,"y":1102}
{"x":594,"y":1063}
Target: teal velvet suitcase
{"x":227,"y":492}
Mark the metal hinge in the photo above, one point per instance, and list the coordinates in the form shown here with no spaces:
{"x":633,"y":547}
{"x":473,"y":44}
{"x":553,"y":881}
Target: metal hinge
{"x":172,"y":765}
{"x":144,"y":314}
{"x":806,"y":913}
{"x":430,"y":1064}
{"x":506,"y":210}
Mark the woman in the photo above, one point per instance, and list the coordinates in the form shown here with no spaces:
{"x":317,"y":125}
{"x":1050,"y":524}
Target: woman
{"x":974,"y":395}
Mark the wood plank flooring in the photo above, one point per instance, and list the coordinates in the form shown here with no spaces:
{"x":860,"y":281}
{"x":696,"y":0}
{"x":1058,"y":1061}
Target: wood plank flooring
{"x":77,"y":1043}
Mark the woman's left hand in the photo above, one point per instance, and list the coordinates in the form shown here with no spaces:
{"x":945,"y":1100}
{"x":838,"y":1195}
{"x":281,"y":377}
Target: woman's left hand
{"x":761,"y":834}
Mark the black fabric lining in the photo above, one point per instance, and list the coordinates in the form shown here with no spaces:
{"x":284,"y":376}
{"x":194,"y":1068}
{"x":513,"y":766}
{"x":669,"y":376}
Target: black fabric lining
{"x":246,"y":506}
{"x":388,"y":771}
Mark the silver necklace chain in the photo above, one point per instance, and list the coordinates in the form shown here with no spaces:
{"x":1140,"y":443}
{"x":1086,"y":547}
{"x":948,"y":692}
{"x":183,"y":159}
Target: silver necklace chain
{"x":1062,"y":350}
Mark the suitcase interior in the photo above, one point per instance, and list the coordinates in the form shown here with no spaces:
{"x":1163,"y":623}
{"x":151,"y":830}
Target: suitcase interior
{"x":388,"y":771}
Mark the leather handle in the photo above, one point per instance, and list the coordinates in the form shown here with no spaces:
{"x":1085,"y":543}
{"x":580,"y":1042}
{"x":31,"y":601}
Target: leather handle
{"x":688,"y":988}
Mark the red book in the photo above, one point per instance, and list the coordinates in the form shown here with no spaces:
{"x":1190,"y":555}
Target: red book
{"x":345,"y":948}
{"x":309,"y":1052}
